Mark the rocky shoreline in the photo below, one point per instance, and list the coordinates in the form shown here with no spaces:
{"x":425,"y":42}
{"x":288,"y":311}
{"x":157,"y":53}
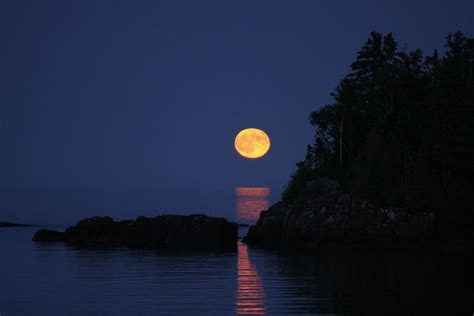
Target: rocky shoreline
{"x":324,"y":216}
{"x":173,"y":232}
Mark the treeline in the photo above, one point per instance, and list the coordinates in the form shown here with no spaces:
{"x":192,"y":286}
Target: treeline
{"x":401,"y":128}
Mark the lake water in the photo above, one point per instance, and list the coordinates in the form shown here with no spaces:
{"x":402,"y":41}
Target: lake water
{"x":55,"y":279}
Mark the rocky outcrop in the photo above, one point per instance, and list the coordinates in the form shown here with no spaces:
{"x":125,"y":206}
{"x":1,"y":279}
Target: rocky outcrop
{"x":324,"y":216}
{"x":46,"y":235}
{"x":174,"y":232}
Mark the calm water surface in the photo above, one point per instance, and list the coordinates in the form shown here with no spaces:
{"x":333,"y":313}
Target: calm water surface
{"x":55,"y":279}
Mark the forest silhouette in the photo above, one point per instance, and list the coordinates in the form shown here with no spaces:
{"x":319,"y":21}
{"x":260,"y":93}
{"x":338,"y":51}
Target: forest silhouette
{"x":400,"y":130}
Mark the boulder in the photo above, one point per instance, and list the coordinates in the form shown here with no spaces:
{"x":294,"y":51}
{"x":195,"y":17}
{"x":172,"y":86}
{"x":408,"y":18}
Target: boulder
{"x":46,"y":235}
{"x":173,"y":232}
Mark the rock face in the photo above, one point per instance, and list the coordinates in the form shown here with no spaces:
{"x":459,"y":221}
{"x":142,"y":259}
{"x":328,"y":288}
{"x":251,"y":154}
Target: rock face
{"x":324,"y":216}
{"x":174,"y":232}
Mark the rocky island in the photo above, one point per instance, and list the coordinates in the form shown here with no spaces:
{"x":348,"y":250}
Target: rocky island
{"x":172,"y":232}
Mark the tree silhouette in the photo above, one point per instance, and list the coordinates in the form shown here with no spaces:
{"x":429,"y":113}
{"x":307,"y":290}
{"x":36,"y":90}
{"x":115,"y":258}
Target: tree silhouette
{"x":400,"y":130}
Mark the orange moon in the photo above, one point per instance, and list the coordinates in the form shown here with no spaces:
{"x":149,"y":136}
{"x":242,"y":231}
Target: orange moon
{"x":252,"y":143}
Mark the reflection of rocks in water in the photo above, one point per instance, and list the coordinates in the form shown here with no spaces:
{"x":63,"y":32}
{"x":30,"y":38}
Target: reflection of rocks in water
{"x":249,"y":202}
{"x":366,"y":283}
{"x":250,"y":292}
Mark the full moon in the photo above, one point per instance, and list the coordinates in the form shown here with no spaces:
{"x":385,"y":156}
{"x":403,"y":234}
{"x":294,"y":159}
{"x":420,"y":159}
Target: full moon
{"x":252,"y":143}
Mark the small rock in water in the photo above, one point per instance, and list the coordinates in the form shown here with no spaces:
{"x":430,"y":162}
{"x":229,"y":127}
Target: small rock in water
{"x":46,"y":235}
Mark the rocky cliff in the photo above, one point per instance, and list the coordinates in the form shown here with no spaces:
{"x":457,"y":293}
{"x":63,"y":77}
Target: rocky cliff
{"x":324,"y":216}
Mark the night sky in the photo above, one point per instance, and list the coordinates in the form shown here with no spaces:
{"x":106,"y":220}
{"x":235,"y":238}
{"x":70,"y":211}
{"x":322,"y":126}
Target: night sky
{"x":150,"y":94}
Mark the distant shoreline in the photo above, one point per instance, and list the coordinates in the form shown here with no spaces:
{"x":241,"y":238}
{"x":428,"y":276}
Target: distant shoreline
{"x":8,"y":224}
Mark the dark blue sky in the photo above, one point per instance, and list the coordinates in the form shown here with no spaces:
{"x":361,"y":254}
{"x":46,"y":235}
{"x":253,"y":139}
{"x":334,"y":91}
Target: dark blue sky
{"x":150,"y":94}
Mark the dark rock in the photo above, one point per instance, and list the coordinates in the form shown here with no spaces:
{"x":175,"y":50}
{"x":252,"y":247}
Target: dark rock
{"x":7,"y":224}
{"x":174,"y":232}
{"x":324,"y":216}
{"x":46,"y":235}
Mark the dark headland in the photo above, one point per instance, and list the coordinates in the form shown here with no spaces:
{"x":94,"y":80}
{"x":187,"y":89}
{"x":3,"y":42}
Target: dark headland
{"x":391,"y":165}
{"x":9,"y":224}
